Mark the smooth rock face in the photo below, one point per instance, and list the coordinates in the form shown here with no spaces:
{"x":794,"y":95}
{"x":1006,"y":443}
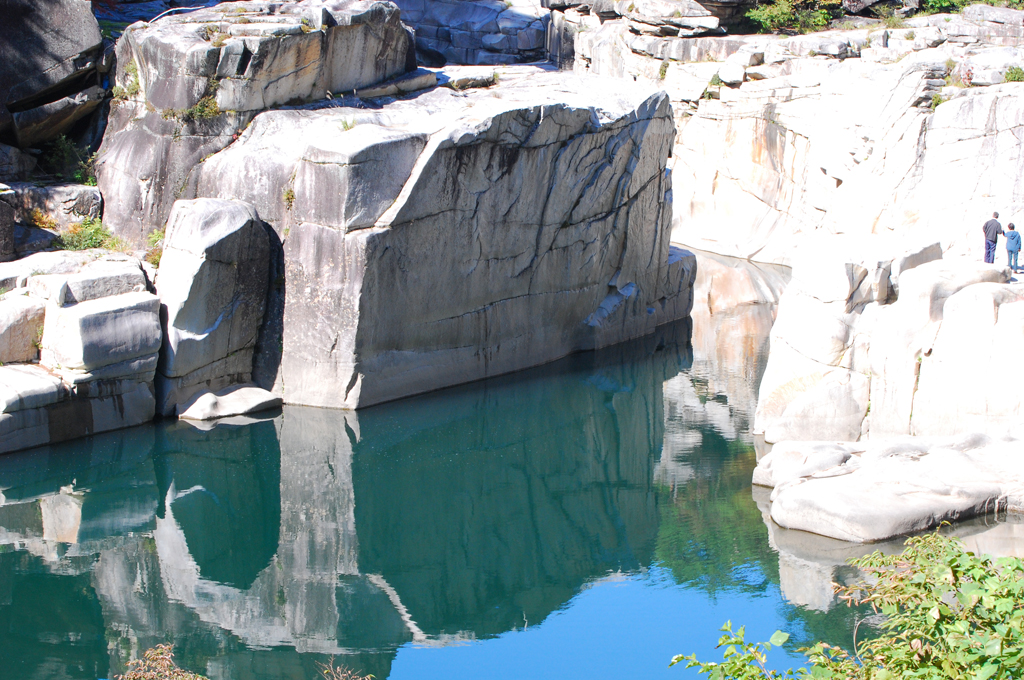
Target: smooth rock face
{"x":101,"y":278}
{"x":14,"y":163}
{"x":488,"y":231}
{"x":21,"y":320}
{"x":890,"y":487}
{"x":821,"y":376}
{"x":67,"y":203}
{"x":212,"y":284}
{"x":231,"y":64}
{"x":7,"y":214}
{"x":477,"y":32}
{"x":233,"y":401}
{"x":43,"y":66}
{"x":463,"y":276}
{"x":100,"y":333}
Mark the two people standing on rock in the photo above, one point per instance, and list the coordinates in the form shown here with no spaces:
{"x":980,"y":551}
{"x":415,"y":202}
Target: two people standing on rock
{"x":993,"y":230}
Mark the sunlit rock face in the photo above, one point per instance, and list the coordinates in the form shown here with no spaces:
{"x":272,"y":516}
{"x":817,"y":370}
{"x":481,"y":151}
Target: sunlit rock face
{"x":804,"y":136}
{"x":459,"y":235}
{"x":188,"y":83}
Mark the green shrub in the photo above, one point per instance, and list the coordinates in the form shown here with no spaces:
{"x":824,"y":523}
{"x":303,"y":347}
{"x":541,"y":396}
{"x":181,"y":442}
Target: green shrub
{"x":89,"y":234}
{"x":203,"y":109}
{"x":948,"y":614}
{"x":155,"y":241}
{"x":663,"y":71}
{"x":1014,"y":74}
{"x":799,"y":16}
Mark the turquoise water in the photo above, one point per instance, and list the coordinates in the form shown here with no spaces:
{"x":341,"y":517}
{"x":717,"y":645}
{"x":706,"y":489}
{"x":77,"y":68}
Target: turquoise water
{"x":589,"y":518}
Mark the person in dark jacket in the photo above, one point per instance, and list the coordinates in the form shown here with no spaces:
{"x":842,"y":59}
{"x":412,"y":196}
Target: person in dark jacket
{"x":1012,"y":247}
{"x":993,"y":230}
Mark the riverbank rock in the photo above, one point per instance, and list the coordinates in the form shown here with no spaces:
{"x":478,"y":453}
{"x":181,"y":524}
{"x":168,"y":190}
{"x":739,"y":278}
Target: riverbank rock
{"x":95,"y":330}
{"x":497,"y":217}
{"x":212,"y":284}
{"x":825,"y":344}
{"x":234,"y":401}
{"x":7,"y":216}
{"x":189,"y":84}
{"x":890,"y":487}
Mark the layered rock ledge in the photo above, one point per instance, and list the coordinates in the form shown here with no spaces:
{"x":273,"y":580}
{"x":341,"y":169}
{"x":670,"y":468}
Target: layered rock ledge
{"x":884,"y":488}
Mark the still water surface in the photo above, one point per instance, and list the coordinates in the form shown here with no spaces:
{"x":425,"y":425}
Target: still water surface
{"x":589,"y":518}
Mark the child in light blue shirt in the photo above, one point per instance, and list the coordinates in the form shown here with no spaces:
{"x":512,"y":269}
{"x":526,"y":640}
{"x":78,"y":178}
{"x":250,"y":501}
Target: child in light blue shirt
{"x":1012,"y":247}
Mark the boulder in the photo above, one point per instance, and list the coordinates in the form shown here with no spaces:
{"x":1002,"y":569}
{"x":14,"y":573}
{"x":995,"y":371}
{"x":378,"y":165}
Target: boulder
{"x":237,"y":400}
{"x":892,"y":487}
{"x":969,"y":380}
{"x":477,"y":32}
{"x":48,"y":121}
{"x":109,"y":276}
{"x":212,"y":283}
{"x":16,"y":274}
{"x":113,"y":336}
{"x":66,"y":203}
{"x":227,"y":65}
{"x":15,"y":164}
{"x":21,"y":322}
{"x":44,"y":66}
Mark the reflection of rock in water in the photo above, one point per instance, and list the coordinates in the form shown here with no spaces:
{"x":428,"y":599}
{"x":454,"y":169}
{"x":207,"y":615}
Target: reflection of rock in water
{"x":262,"y":549}
{"x":809,"y":564}
{"x":733,"y":311}
{"x":488,"y":507}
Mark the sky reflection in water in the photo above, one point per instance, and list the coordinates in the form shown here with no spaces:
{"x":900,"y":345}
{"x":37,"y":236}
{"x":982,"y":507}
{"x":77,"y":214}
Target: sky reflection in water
{"x":588,"y":518}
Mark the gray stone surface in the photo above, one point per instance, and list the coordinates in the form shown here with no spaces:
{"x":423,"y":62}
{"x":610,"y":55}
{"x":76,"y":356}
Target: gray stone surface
{"x":15,"y":164}
{"x":102,"y":332}
{"x":212,"y":283}
{"x":43,"y":65}
{"x":477,"y":31}
{"x":28,"y":387}
{"x":48,"y":121}
{"x":529,"y":225}
{"x":21,"y":320}
{"x":97,"y":279}
{"x":266,"y":56}
{"x":891,"y":487}
{"x":234,"y":401}
{"x":66,"y":203}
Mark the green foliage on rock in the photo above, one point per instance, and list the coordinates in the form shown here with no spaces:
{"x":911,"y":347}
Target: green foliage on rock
{"x":795,"y":16}
{"x":949,"y":614}
{"x":63,"y":159}
{"x":1014,"y":74}
{"x":89,"y":234}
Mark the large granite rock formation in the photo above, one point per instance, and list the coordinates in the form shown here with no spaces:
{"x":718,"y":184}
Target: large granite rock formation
{"x":95,"y":330}
{"x":188,"y":84}
{"x":850,"y":360}
{"x":51,"y":53}
{"x":212,"y":284}
{"x":459,"y":235}
{"x":803,"y":135}
{"x":890,"y":487}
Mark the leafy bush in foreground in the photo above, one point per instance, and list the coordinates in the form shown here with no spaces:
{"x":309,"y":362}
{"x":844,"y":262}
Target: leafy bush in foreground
{"x":948,"y":614}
